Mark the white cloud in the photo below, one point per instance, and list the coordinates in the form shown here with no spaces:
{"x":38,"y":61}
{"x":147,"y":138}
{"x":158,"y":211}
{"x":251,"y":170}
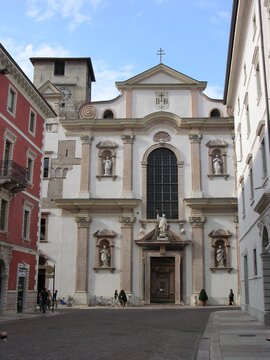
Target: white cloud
{"x":104,"y":88}
{"x":214,"y":92}
{"x":22,"y":53}
{"x":221,"y":16}
{"x":75,"y":11}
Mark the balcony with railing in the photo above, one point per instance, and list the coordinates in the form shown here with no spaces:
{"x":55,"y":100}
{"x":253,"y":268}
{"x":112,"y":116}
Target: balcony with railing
{"x":13,"y":177}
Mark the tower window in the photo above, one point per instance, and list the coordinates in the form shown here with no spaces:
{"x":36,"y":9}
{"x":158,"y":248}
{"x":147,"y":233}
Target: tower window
{"x":59,"y":67}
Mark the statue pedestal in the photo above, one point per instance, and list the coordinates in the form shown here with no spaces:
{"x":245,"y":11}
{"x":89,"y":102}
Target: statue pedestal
{"x":162,"y":237}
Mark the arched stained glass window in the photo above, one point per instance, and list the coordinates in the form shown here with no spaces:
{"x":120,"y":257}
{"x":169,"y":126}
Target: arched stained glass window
{"x":162,"y":184}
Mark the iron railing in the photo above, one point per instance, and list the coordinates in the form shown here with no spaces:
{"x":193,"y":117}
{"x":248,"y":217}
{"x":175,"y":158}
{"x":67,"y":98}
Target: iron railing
{"x":12,"y":173}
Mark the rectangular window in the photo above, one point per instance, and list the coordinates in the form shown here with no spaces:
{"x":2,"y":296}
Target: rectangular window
{"x":30,"y":168}
{"x":245,"y":73}
{"x":59,"y":67}
{"x":46,"y":164}
{"x":32,"y":122}
{"x":3,"y":214}
{"x":246,"y":104}
{"x":26,"y":224}
{"x":251,"y":184}
{"x":243,"y":201}
{"x":258,"y":81}
{"x":263,"y":156}
{"x":255,"y":261}
{"x":254,"y":23}
{"x":43,"y":229}
{"x":11,"y":101}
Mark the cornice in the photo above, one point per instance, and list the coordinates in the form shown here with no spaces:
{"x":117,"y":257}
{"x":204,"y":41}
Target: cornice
{"x":263,"y":203}
{"x":211,"y":203}
{"x":94,"y":205}
{"x":78,"y":126}
{"x":18,"y":77}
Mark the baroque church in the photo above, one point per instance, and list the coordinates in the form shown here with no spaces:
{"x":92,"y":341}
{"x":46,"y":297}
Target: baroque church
{"x":138,"y":192}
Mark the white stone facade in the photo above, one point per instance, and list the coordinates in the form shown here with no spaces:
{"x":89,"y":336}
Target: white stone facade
{"x":160,"y":112}
{"x":247,"y":95}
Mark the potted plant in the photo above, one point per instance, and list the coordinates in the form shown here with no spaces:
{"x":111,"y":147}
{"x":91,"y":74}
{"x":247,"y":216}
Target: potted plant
{"x":203,"y":297}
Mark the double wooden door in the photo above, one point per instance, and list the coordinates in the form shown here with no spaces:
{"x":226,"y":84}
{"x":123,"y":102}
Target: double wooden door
{"x":162,"y":279}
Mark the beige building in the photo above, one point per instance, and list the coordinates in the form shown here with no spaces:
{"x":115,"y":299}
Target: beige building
{"x":138,"y":191}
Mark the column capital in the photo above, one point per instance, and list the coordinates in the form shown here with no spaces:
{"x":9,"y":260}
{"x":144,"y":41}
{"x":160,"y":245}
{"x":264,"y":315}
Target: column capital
{"x":127,"y":220}
{"x":86,"y":139}
{"x":197,"y":221}
{"x":83,"y":221}
{"x":128,"y":139}
{"x":195,"y":138}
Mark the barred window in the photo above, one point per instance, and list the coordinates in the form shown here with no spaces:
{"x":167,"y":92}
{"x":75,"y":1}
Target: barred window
{"x":162,"y":184}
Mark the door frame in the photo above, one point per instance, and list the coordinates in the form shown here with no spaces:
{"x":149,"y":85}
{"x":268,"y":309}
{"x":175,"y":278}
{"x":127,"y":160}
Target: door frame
{"x":147,"y":273}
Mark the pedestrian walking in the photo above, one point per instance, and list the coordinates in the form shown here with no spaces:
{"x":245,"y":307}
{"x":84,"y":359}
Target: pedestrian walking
{"x":122,"y":298}
{"x":115,"y":295}
{"x":54,"y":299}
{"x":231,"y":297}
{"x":44,"y":296}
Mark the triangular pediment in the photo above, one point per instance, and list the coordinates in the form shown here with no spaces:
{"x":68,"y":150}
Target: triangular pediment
{"x":160,"y":75}
{"x":48,"y":89}
{"x":153,"y":239}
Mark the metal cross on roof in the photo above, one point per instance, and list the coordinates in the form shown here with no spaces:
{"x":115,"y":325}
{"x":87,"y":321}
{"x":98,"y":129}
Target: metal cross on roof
{"x":160,"y":53}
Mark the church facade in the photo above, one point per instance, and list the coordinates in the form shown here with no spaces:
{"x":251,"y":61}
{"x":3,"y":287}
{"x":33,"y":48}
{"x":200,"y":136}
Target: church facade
{"x":138,"y":192}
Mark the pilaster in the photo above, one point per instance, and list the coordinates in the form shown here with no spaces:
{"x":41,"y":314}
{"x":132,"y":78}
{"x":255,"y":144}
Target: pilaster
{"x":126,"y":222}
{"x":128,"y":141}
{"x":195,"y":140}
{"x":85,"y":165}
{"x":197,"y":224}
{"x":83,"y":226}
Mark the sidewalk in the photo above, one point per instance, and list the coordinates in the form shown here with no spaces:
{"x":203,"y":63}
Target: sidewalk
{"x":24,"y":316}
{"x":234,"y":335}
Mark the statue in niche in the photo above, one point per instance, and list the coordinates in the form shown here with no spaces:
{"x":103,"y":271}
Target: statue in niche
{"x":217,"y":165}
{"x":163,"y":225}
{"x":220,"y":256}
{"x":107,"y":166}
{"x":105,"y":256}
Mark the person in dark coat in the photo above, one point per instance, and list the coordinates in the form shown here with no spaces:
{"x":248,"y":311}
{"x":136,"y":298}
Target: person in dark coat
{"x":122,"y":298}
{"x":231,"y":297}
{"x":44,"y":297}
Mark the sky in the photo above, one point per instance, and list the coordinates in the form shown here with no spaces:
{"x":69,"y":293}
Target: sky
{"x":122,"y":37}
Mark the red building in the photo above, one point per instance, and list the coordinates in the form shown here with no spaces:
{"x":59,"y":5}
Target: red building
{"x":22,"y":116}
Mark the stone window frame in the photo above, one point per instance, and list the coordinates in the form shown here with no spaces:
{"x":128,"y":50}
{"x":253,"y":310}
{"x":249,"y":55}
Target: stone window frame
{"x":30,"y":155}
{"x":104,"y":237}
{"x":32,"y":124}
{"x":180,"y":170}
{"x":219,"y":147}
{"x":46,"y":217}
{"x":12,"y":100}
{"x":223,"y":238}
{"x":27,"y":207}
{"x":106,"y":148}
{"x":11,"y":138}
{"x":5,"y":197}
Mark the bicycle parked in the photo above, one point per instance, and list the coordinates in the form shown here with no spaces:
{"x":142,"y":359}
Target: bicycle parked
{"x":99,"y":301}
